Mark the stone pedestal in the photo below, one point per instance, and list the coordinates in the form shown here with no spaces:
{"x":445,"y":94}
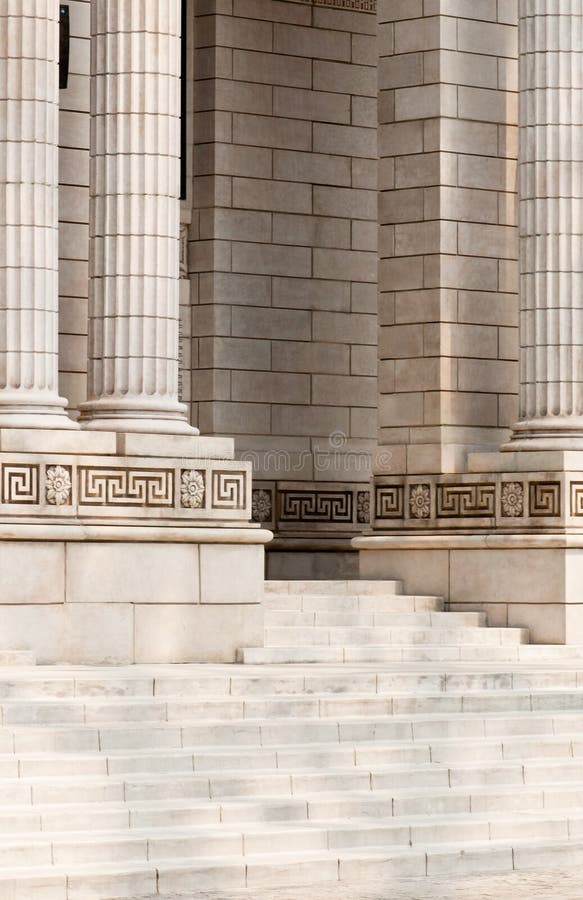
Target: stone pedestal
{"x":506,"y":534}
{"x":505,"y":537}
{"x":122,"y":548}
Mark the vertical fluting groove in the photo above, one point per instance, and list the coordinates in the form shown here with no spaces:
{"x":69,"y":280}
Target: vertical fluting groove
{"x":551,"y":221}
{"x":29,"y":109}
{"x":135,"y":215}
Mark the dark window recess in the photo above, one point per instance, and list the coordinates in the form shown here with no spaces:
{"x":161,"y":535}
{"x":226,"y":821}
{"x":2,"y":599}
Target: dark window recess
{"x":183,"y":76}
{"x":64,"y":40}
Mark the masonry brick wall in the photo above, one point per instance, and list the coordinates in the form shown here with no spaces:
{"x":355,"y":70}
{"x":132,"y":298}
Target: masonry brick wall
{"x":448,"y":240}
{"x":74,"y":211}
{"x":283,"y":250}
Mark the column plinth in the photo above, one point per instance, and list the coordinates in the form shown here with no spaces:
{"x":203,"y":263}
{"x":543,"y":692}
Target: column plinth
{"x":134,"y":219}
{"x":29,"y":255}
{"x":551,"y":227}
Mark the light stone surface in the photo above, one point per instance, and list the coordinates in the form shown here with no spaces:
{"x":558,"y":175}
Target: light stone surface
{"x":448,"y":238}
{"x":551,"y":127}
{"x":135,"y":214}
{"x":29,"y":97}
{"x":553,"y":884}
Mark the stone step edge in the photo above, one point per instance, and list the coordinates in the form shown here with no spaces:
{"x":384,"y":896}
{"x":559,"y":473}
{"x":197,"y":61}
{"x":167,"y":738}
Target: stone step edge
{"x":473,"y":855}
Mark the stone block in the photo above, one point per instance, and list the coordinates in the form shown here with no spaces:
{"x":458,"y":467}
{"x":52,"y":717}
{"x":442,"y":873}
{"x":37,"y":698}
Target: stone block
{"x":32,"y":572}
{"x":231,"y":574}
{"x":273,"y":68}
{"x":206,"y":633}
{"x":132,"y":573}
{"x":97,"y":634}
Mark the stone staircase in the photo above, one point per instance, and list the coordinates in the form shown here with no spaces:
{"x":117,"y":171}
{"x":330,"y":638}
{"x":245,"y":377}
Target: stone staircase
{"x":374,"y":736}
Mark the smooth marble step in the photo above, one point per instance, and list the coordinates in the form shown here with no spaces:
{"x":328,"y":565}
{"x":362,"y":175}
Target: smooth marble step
{"x":353,"y":603}
{"x":10,"y":658}
{"x":290,"y":636}
{"x":383,"y":701}
{"x":386,"y":653}
{"x":153,"y":844}
{"x":353,"y":865}
{"x":354,"y":586}
{"x":277,"y":617}
{"x":48,"y":683}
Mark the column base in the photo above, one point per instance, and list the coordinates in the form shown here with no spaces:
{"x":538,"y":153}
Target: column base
{"x":546,"y":434}
{"x":51,"y":415}
{"x":144,"y":416}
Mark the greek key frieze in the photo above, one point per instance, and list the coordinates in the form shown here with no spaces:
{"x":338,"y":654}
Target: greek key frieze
{"x":229,"y":490}
{"x":545,"y":499}
{"x":389,"y":501}
{"x":466,"y":501}
{"x":315,"y":506}
{"x":20,"y":483}
{"x":577,"y":499}
{"x":126,"y":487}
{"x":365,"y":6}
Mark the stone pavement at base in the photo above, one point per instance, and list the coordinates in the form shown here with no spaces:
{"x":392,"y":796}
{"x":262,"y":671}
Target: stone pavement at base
{"x":540,"y":885}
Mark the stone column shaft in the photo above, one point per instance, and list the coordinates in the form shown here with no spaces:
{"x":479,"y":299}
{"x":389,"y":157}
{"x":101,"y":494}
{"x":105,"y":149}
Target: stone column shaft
{"x":29,"y":254}
{"x":134,"y":218}
{"x":551,"y":225}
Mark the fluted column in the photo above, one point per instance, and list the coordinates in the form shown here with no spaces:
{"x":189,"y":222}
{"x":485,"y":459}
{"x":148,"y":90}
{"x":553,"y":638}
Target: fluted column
{"x":551,"y":225}
{"x":135,"y":215}
{"x":29,"y":255}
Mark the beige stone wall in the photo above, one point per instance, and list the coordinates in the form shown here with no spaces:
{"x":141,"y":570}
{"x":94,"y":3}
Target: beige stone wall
{"x":283,"y":243}
{"x":74,"y":211}
{"x":448,"y":241}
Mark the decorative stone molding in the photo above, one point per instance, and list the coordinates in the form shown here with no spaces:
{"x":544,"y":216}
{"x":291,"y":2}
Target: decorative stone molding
{"x":20,"y":484}
{"x":315,"y":506}
{"x":131,"y":488}
{"x":577,"y":499}
{"x":228,"y":490}
{"x":365,"y":6}
{"x":488,"y":501}
{"x":512,"y":499}
{"x":363,"y":507}
{"x":420,"y":501}
{"x":389,"y":502}
{"x":312,"y":507}
{"x":192,"y":489}
{"x":58,"y":485}
{"x":262,"y":505}
{"x":465,"y":500}
{"x":545,"y":498}
{"x":126,"y":487}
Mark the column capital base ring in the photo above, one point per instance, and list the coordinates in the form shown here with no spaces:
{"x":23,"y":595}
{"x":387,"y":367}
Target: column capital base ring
{"x":143,"y":415}
{"x":546,"y":433}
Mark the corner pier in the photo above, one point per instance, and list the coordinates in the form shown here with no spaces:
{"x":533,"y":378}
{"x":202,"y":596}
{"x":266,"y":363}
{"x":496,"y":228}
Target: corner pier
{"x":503,"y":531}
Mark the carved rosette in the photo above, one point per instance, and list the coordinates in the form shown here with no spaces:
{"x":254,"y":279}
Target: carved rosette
{"x":420,"y":501}
{"x":261,"y":506}
{"x":512,"y":499}
{"x":192,"y":489}
{"x":58,"y":486}
{"x":363,"y":507}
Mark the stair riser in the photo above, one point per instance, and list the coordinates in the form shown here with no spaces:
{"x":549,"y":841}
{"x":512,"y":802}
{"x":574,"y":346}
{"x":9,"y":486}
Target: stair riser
{"x":300,"y":637}
{"x":244,"y":686}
